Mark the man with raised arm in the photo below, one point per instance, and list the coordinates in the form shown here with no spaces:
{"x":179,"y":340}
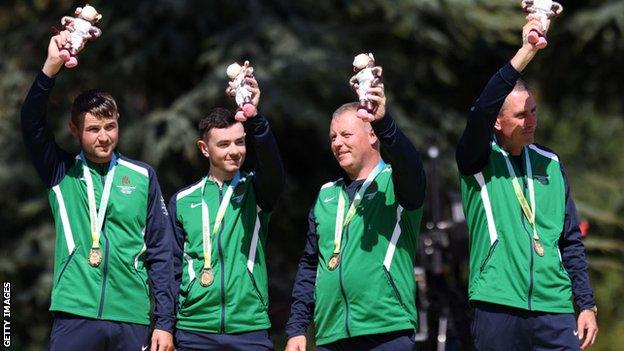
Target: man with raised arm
{"x":221,"y":227}
{"x":356,"y":275}
{"x":527,"y":260}
{"x":113,"y":235}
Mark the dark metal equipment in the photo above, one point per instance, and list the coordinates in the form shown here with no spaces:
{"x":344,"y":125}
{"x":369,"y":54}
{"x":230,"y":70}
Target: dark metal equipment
{"x":441,"y":272}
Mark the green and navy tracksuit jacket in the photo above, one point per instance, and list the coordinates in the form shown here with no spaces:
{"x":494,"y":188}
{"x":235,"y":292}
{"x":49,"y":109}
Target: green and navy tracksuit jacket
{"x":137,"y":260}
{"x":373,"y":290}
{"x":504,"y":268}
{"x":237,"y":300}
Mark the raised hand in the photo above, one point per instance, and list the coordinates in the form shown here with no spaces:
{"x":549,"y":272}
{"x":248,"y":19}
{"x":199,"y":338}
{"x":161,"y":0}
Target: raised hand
{"x":54,"y":62}
{"x":534,"y":30}
{"x":528,"y":50}
{"x":376,"y":95}
{"x":244,"y":88}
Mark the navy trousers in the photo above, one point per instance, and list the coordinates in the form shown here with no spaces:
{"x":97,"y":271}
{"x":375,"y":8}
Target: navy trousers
{"x":496,"y":327}
{"x":393,"y":341}
{"x":75,"y":333}
{"x":195,"y":341}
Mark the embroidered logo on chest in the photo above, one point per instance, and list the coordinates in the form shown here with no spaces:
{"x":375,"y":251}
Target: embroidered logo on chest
{"x":540,"y":174}
{"x":126,"y":186}
{"x":544,"y":180}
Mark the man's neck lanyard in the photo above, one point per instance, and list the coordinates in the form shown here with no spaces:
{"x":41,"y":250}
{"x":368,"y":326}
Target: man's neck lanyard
{"x":207,"y":276}
{"x":342,"y":221}
{"x":529,"y":211}
{"x":96,"y":218}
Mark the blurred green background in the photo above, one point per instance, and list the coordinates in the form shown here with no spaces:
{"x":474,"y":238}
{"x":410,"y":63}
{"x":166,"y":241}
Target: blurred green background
{"x":165,"y":61}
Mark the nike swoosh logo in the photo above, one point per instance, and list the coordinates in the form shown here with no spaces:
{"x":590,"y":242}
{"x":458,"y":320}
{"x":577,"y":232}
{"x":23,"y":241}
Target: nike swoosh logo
{"x":143,"y":348}
{"x":371,"y":195}
{"x":195,"y":205}
{"x":575,"y":332}
{"x":328,"y":200}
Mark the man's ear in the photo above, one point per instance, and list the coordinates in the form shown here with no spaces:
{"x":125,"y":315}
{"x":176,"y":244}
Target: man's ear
{"x":73,"y":128}
{"x":372,"y":136}
{"x":203,"y":147}
{"x":497,"y":124}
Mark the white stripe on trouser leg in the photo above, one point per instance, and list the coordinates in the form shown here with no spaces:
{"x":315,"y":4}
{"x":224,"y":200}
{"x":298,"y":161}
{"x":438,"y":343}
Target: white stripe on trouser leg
{"x":251,"y":258}
{"x":393,"y":240}
{"x":69,"y":238}
{"x":487,"y":206}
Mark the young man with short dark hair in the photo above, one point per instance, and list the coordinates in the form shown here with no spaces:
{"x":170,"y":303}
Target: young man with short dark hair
{"x":221,"y":228}
{"x":113,"y":234}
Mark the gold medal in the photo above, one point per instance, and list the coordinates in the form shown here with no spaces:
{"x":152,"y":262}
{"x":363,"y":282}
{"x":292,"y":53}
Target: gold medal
{"x":206,"y":277}
{"x":334,"y":261}
{"x":95,"y":257}
{"x":539,"y":249}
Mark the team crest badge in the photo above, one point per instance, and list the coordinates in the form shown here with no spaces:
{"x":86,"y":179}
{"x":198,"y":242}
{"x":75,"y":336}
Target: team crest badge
{"x":126,"y":186}
{"x":544,"y":180}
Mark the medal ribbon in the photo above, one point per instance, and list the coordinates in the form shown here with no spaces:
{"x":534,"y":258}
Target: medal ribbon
{"x":96,"y":218}
{"x":529,"y":213}
{"x":341,"y":221}
{"x":207,"y":243}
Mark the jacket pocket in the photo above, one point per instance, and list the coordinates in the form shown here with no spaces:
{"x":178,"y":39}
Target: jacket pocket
{"x":69,"y":260}
{"x":489,"y":255}
{"x":188,"y":292}
{"x":257,"y":291}
{"x":142,"y":280}
{"x":395,"y":291}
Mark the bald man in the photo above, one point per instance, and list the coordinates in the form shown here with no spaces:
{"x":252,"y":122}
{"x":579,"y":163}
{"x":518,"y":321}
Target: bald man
{"x":356,"y":273}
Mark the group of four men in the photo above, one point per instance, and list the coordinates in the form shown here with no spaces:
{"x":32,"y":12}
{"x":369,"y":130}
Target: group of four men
{"x":131,"y":272}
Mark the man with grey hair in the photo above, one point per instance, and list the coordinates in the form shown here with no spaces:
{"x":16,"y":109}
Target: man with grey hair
{"x":356,"y":272}
{"x":527,"y":260}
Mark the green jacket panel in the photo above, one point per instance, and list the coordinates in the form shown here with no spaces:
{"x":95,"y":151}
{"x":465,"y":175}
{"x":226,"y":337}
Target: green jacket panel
{"x":373,"y":289}
{"x":116,"y":289}
{"x":237,"y":300}
{"x":504,"y":268}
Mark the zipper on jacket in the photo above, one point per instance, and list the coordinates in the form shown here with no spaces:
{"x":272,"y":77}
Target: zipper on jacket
{"x":221,"y":263}
{"x":342,"y":290}
{"x":106,"y":246}
{"x":104,"y":272}
{"x":530,"y":274}
{"x":531,"y":263}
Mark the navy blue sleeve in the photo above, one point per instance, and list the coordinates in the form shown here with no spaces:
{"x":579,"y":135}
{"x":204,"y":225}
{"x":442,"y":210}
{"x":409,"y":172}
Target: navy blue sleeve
{"x":50,"y":161}
{"x":269,"y":179}
{"x":302,"y":306}
{"x":408,"y":172}
{"x":178,"y":249}
{"x":473,"y":148}
{"x":573,"y":253}
{"x":159,"y":257}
